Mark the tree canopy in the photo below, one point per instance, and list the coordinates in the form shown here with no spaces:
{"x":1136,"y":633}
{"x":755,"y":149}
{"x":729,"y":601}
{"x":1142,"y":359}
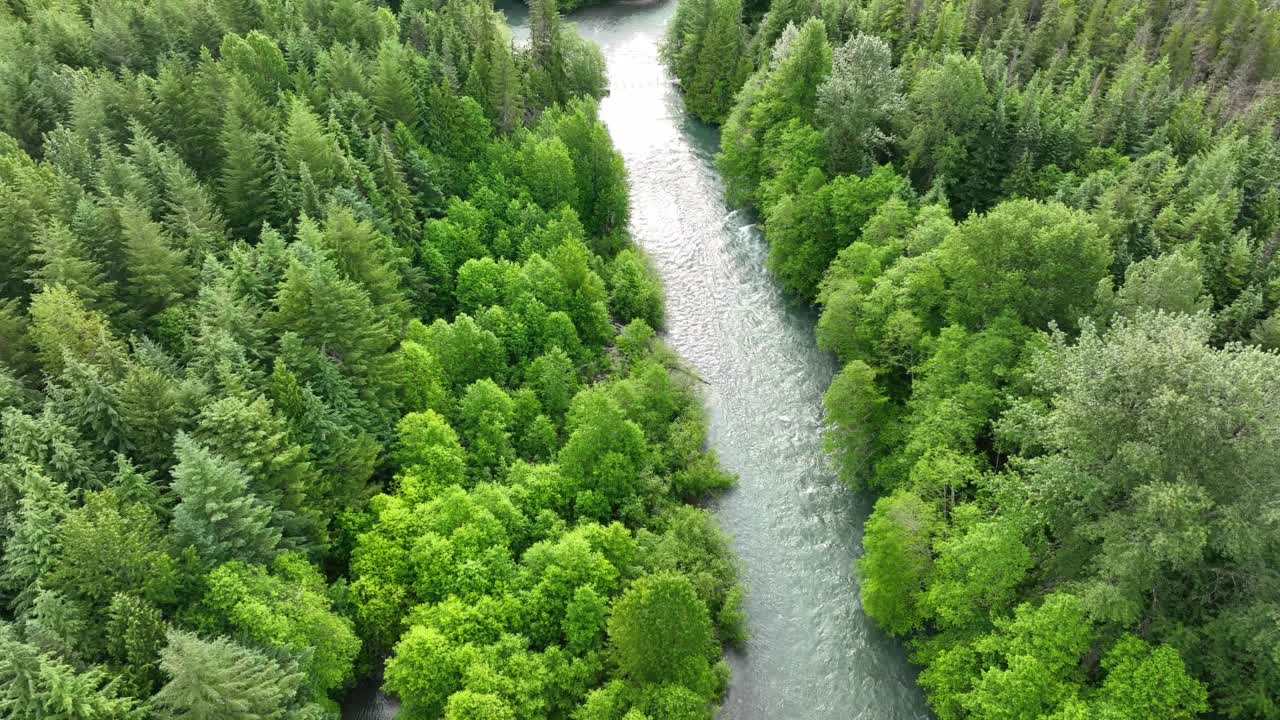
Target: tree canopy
{"x":323,"y":344}
{"x":1041,"y":239}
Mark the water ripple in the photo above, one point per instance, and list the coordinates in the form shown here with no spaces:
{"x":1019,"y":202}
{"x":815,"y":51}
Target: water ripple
{"x":812,"y":655}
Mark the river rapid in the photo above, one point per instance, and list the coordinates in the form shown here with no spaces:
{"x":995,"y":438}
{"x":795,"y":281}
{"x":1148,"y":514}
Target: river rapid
{"x":812,"y":653}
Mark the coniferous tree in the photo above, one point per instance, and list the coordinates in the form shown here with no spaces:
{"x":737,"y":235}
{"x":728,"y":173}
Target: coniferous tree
{"x":34,"y":545}
{"x":36,"y":685}
{"x":60,"y":324}
{"x":61,"y":260}
{"x":279,"y":472}
{"x":91,"y":403}
{"x":547,"y":52}
{"x":109,"y":546}
{"x":159,"y":272}
{"x":215,"y":512}
{"x":721,"y":62}
{"x":246,"y":179}
{"x":394,"y":95}
{"x":135,"y":634}
{"x":219,"y":679}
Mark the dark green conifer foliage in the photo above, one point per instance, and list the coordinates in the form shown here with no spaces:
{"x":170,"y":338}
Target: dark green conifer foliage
{"x":547,"y":52}
{"x":34,"y":684}
{"x":135,"y":633}
{"x":33,"y":546}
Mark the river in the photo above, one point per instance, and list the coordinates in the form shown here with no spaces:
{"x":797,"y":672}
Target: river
{"x":812,"y":654}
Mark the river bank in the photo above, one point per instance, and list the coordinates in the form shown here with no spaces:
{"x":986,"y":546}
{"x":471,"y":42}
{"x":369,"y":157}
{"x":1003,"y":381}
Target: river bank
{"x":812,"y":653}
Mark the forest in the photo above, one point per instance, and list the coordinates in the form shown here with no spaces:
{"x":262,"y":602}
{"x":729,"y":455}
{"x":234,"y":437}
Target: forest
{"x":1042,"y":239}
{"x":323,"y":344}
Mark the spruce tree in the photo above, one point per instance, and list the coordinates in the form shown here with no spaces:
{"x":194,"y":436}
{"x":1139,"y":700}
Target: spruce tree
{"x":221,"y":680}
{"x":332,"y":313}
{"x":89,"y":402}
{"x":245,"y":181}
{"x":250,"y":434}
{"x":32,"y":549}
{"x":394,"y":95}
{"x":60,"y":323}
{"x":135,"y":634}
{"x":216,"y":512}
{"x":721,"y":64}
{"x":547,"y":50}
{"x":35,"y":685}
{"x":59,"y":258}
{"x":159,"y":272}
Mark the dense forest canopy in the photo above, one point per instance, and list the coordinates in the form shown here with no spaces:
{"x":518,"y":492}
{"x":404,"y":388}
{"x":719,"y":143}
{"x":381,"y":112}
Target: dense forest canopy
{"x":1042,"y":236}
{"x":322,"y":342}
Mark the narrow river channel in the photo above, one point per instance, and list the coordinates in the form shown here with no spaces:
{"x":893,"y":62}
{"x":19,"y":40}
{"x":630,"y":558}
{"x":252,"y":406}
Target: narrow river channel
{"x":813,"y":654}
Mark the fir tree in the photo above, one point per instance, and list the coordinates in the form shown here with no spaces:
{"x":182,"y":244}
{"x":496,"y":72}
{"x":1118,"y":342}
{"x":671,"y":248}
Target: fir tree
{"x":215,"y":512}
{"x":220,"y":680}
{"x":34,"y":546}
{"x":60,"y":259}
{"x":35,"y":685}
{"x":159,"y":272}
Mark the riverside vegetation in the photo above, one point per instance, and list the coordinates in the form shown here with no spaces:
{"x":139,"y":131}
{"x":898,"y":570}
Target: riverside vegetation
{"x":1042,"y":237}
{"x":322,"y":342}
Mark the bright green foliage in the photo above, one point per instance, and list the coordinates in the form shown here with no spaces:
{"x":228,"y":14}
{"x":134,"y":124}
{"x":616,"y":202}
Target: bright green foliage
{"x":486,"y":414}
{"x":584,"y":620}
{"x":1148,"y":683}
{"x":602,"y":202}
{"x":1040,"y":261}
{"x":634,"y":290}
{"x":897,"y":561}
{"x":1030,"y":661}
{"x":1042,"y":324}
{"x":554,"y":380}
{"x":809,"y":224}
{"x":605,"y":453}
{"x":855,"y":406}
{"x":287,"y":610}
{"x":467,"y":351}
{"x":424,"y":378}
{"x":659,"y":632}
{"x":463,"y":570}
{"x":423,"y":672}
{"x":976,"y":574}
{"x":308,"y":325}
{"x":545,"y":166}
{"x":468,"y":705}
{"x":429,"y":450}
{"x":60,"y":324}
{"x":784,"y":90}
